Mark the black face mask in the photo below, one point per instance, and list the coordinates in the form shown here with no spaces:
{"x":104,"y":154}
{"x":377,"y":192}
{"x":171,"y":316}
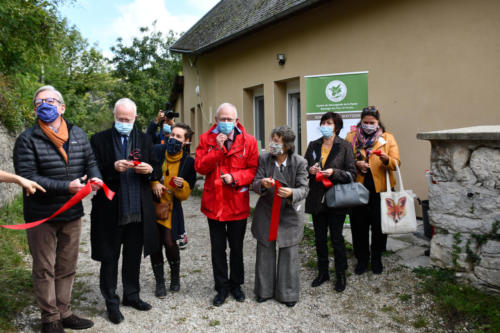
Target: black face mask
{"x":173,"y":146}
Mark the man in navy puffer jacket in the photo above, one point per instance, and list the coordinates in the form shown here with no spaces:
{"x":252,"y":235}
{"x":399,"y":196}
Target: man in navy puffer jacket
{"x":58,"y":156}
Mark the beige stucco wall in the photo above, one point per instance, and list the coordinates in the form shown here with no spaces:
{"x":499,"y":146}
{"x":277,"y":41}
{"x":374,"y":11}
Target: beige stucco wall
{"x":433,"y":64}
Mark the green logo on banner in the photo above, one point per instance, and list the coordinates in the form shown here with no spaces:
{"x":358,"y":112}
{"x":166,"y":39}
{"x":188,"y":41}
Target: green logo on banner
{"x":336,"y":91}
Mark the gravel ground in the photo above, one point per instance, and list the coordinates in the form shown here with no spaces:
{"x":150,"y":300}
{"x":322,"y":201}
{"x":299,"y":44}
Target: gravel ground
{"x":371,"y":303}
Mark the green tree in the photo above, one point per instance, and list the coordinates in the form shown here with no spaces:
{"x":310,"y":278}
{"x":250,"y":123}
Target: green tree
{"x":145,"y":71}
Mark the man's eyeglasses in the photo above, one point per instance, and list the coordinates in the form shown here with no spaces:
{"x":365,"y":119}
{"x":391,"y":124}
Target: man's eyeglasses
{"x":49,"y":100}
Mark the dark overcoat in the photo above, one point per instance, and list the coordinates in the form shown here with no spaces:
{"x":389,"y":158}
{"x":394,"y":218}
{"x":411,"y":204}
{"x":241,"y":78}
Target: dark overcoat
{"x":105,"y":213}
{"x":291,"y":224}
{"x":341,"y":160}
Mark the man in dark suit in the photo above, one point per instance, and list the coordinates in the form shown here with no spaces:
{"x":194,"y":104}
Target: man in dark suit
{"x":124,"y":156}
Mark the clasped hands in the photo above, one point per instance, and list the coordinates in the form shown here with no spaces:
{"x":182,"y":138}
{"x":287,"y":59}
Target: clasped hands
{"x":142,"y":168}
{"x":159,"y":188}
{"x":315,"y":169}
{"x":283,"y":192}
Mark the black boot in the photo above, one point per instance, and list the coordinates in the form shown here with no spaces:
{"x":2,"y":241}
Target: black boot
{"x":341,"y":282}
{"x":318,"y":281}
{"x":175,"y":266}
{"x":377,"y":266}
{"x":161,"y":289}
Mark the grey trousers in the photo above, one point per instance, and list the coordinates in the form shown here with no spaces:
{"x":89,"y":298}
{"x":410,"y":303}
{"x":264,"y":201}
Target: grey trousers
{"x":284,"y":284}
{"x":54,"y":248}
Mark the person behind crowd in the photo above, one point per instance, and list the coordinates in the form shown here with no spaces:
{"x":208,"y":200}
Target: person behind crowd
{"x":177,"y":179}
{"x":375,"y":151}
{"x":29,"y":186}
{"x":125,"y":157}
{"x":283,"y":165}
{"x":57,"y":155}
{"x":165,"y":124}
{"x":333,"y":158}
{"x":228,"y":156}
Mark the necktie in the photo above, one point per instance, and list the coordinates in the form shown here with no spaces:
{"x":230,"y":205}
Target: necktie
{"x":282,"y":167}
{"x":124,"y":147}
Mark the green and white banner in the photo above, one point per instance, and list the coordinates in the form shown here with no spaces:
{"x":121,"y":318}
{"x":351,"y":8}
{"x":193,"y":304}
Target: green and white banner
{"x":344,"y":93}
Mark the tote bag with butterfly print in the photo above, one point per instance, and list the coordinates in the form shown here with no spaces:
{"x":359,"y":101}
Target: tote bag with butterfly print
{"x":397,"y":209}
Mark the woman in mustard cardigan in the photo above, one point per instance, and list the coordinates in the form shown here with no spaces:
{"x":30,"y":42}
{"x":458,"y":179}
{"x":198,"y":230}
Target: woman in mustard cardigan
{"x":177,"y":180}
{"x":375,"y":151}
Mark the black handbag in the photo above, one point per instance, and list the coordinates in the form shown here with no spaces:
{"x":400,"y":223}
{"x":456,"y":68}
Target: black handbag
{"x":347,"y":195}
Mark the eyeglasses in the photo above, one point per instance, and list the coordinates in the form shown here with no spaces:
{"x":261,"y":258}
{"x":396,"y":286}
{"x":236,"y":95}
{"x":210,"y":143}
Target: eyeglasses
{"x":49,"y":100}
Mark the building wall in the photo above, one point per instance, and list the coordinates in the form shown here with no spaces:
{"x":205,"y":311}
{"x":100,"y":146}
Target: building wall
{"x":433,"y":64}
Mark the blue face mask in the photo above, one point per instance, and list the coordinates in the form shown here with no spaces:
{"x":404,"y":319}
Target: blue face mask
{"x":167,"y":128}
{"x":225,"y":127}
{"x":47,"y":112}
{"x":123,"y":128}
{"x":326,"y":131}
{"x":173,"y":146}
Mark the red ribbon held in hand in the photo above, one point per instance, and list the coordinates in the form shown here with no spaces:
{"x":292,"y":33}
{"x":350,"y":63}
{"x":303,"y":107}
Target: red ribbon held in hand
{"x":326,"y":182}
{"x":70,"y":203}
{"x":377,"y":152}
{"x":275,"y":215}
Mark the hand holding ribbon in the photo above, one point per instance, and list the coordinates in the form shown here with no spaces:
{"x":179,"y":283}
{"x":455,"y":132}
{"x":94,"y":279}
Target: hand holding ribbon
{"x":321,"y":178}
{"x":86,"y":190}
{"x":275,"y":214}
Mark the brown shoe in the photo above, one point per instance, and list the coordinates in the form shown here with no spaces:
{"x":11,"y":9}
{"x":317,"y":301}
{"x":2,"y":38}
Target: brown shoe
{"x":76,"y":323}
{"x":52,"y":327}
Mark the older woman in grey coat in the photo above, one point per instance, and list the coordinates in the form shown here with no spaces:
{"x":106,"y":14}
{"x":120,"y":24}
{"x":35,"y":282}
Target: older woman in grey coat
{"x":291,"y":171}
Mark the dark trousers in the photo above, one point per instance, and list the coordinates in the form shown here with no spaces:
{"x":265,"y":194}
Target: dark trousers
{"x":131,"y":236}
{"x":364,"y":217}
{"x":322,"y":222}
{"x":221,"y":233}
{"x":171,"y":247}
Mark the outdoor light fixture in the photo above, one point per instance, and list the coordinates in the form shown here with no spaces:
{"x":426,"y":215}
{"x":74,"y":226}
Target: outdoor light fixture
{"x":281,"y":58}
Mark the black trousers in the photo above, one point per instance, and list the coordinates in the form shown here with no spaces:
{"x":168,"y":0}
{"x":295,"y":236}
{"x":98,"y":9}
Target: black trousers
{"x":322,"y":222}
{"x":221,"y":233}
{"x":171,"y":247}
{"x":131,"y":236}
{"x":364,"y":217}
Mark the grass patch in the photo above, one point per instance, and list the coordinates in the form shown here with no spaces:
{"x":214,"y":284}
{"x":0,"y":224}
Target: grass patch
{"x":387,"y":308}
{"x":213,"y":323}
{"x":404,"y":297}
{"x":459,"y":304}
{"x":197,"y":191}
{"x":419,"y":322}
{"x":15,"y":276}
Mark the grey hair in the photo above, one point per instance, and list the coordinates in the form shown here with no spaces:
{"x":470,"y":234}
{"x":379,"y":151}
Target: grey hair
{"x":223,"y":105}
{"x":49,"y":88}
{"x":287,"y":135}
{"x":125,"y":102}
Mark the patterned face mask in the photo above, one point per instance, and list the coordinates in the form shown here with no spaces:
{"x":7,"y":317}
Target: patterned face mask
{"x":275,"y":148}
{"x":369,"y":129}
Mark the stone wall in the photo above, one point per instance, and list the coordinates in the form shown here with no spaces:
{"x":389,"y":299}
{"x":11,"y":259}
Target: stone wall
{"x":7,"y":140}
{"x":465,"y":203}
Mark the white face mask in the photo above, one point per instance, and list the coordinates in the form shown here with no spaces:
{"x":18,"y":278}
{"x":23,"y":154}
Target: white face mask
{"x":369,"y":128}
{"x":275,"y":148}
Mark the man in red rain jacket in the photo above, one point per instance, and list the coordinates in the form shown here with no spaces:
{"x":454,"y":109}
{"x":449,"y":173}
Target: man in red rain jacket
{"x":228,"y":156}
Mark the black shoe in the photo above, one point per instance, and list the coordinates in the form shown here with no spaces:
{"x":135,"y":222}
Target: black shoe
{"x":318,"y":281}
{"x":159,"y":273}
{"x":115,"y":316}
{"x":360,"y":267}
{"x":138,"y":304}
{"x":175,"y":284}
{"x":76,"y":323}
{"x":290,"y":304}
{"x":238,"y":294}
{"x":262,"y":299}
{"x":52,"y":327}
{"x":377,"y":266}
{"x":220,"y":298}
{"x":341,"y":282}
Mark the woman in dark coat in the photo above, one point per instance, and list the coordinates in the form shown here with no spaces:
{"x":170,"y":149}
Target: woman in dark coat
{"x":333,"y":158}
{"x":177,"y":178}
{"x":281,"y":164}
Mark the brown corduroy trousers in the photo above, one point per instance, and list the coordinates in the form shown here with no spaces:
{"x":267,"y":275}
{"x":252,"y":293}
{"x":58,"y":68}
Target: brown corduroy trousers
{"x":54,"y":248}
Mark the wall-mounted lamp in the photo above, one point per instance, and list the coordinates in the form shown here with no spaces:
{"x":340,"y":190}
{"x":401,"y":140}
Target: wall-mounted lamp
{"x":281,"y":58}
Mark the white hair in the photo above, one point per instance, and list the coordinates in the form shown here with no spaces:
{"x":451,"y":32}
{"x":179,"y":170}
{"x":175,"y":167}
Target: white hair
{"x":224,"y":105}
{"x":127,"y":102}
{"x":49,"y":88}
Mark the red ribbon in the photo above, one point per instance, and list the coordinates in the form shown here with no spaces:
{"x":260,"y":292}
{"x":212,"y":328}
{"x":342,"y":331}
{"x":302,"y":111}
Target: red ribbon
{"x":377,"y":152}
{"x":70,"y":203}
{"x":275,"y":215}
{"x":172,"y":183}
{"x":326,"y":182}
